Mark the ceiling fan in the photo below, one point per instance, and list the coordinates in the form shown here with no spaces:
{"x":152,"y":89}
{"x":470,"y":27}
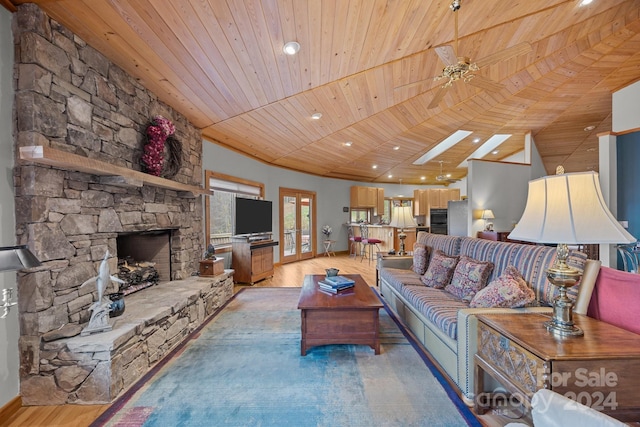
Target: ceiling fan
{"x":461,"y":68}
{"x":446,"y":178}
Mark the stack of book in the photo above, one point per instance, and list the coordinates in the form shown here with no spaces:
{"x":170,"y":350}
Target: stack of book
{"x":335,"y":284}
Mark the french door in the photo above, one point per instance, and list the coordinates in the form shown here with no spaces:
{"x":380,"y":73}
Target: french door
{"x":297,"y":225}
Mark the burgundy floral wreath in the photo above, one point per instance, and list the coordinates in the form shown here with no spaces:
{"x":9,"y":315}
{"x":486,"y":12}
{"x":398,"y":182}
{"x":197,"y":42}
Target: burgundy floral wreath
{"x":159,"y":135}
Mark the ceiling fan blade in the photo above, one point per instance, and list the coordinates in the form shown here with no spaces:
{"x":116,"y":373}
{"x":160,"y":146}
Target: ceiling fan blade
{"x":485,"y":83}
{"x":437,"y":98}
{"x":519,"y":49}
{"x":447,"y":54}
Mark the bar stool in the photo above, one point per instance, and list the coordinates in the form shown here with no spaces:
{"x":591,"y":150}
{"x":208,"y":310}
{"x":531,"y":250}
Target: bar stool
{"x":354,"y":242}
{"x":368,"y":242}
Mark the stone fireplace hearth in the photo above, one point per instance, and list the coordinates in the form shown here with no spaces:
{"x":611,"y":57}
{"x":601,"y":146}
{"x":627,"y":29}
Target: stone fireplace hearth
{"x":71,"y":99}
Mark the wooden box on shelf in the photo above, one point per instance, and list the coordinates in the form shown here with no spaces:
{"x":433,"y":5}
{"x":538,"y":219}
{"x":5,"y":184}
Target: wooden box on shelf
{"x":211,"y":267}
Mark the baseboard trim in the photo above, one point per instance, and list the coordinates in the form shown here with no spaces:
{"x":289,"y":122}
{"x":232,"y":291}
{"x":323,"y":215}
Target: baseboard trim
{"x":9,"y":410}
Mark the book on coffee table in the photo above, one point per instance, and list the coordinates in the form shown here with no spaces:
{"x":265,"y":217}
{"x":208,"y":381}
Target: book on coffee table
{"x":333,"y":287}
{"x":338,"y":280}
{"x":343,"y":291}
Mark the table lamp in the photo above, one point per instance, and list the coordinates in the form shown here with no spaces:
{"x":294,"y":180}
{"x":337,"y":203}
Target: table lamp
{"x":487,"y":214}
{"x":402,"y":217}
{"x":14,"y":258}
{"x":567,"y":209}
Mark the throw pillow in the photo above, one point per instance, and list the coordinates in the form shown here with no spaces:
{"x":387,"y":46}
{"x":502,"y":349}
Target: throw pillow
{"x":469,"y":277}
{"x":509,"y":290}
{"x":440,"y":270}
{"x":420,"y":257}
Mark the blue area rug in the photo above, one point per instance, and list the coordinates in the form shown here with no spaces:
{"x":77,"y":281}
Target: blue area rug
{"x":244,"y":368}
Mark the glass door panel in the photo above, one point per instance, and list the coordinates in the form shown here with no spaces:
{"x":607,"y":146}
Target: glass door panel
{"x":297,"y":225}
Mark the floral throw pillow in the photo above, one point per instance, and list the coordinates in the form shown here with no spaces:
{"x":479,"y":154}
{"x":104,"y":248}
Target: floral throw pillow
{"x":509,"y":290}
{"x":469,"y":277}
{"x":420,"y":257}
{"x":440,"y":270}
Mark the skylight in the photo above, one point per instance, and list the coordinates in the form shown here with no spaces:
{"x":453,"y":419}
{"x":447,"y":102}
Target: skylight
{"x":443,"y":146}
{"x":486,"y":148}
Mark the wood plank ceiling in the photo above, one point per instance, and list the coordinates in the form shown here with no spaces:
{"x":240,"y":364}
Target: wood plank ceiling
{"x":221,"y":64}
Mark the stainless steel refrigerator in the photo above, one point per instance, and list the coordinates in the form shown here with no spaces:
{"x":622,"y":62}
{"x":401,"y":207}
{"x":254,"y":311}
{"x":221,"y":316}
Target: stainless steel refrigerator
{"x":458,"y":218}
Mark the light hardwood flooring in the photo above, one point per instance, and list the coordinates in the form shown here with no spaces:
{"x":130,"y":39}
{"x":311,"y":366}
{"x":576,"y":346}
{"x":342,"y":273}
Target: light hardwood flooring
{"x":288,"y":275}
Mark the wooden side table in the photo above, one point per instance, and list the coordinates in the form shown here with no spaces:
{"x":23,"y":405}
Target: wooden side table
{"x":328,"y":245}
{"x":600,"y":369}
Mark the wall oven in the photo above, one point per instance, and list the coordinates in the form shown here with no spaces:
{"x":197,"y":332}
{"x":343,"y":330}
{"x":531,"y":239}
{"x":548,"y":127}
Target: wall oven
{"x":438,"y":221}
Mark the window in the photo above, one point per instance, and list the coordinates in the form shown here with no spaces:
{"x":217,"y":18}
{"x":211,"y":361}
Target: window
{"x":220,"y":209}
{"x":360,"y":215}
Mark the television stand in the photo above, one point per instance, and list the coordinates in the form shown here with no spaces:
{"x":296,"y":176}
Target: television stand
{"x":252,"y":258}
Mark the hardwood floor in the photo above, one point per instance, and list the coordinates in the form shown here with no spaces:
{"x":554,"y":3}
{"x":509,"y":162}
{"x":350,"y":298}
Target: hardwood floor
{"x":288,"y":275}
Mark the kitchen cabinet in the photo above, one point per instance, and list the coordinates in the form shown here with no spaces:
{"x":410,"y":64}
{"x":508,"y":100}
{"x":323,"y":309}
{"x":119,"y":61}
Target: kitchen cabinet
{"x":367,"y":198}
{"x":440,"y":197}
{"x":433,"y":198}
{"x":420,"y":202}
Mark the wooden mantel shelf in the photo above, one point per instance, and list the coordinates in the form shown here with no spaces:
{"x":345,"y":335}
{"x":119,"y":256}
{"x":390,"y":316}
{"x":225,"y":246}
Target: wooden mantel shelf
{"x":117,"y":175}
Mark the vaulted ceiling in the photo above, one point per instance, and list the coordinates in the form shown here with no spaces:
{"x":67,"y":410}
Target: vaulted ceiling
{"x":221,"y":64}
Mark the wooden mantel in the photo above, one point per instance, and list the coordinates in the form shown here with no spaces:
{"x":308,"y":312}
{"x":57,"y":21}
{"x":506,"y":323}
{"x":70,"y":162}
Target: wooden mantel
{"x":115,"y":175}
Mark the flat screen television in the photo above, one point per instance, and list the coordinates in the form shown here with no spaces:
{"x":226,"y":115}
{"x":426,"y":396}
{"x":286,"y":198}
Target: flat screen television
{"x":253,"y":216}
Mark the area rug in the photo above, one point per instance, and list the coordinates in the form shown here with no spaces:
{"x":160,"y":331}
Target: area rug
{"x":244,"y":368}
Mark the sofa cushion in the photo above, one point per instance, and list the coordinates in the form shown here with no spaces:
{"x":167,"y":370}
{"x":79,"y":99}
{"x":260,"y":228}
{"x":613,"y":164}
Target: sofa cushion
{"x":440,"y":270}
{"x":398,"y":277}
{"x":420,"y":258}
{"x":509,"y":290}
{"x":616,"y":298}
{"x":439,"y":307}
{"x":469,"y":277}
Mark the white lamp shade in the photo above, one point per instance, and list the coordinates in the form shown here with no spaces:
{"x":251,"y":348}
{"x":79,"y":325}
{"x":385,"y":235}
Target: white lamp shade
{"x":487,"y":214}
{"x":569,"y":209}
{"x":402,"y":217}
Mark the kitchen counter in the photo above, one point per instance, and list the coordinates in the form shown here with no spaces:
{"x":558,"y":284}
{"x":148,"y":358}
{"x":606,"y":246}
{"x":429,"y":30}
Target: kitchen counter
{"x":388,"y":235}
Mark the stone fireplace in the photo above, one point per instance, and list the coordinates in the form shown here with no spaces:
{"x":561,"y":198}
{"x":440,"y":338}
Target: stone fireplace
{"x":73,"y":103}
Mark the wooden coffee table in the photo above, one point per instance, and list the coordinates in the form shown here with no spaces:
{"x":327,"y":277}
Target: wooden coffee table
{"x":349,"y":318}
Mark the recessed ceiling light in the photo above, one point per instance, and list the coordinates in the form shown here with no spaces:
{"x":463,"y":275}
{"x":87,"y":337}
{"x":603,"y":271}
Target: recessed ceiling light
{"x":374,"y":167}
{"x":316,"y":116}
{"x":347,"y":144}
{"x":591,"y":149}
{"x":389,"y":176}
{"x":291,"y":48}
{"x":589,"y":128}
{"x":422,"y":178}
{"x":476,"y":140}
{"x":397,"y":147}
{"x":585,"y":2}
{"x":495,"y":152}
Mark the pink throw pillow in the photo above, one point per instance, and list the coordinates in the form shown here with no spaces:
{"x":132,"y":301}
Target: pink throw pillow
{"x":440,"y":270}
{"x":469,"y":277}
{"x":420,"y":258}
{"x":509,"y":290}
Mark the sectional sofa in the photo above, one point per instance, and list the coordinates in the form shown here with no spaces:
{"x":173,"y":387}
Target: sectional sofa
{"x":446,"y":324}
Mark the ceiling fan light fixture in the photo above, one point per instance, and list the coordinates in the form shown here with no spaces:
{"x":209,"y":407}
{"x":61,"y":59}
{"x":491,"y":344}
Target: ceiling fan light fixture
{"x":291,"y":48}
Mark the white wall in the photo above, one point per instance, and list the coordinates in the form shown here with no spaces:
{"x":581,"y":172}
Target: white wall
{"x":9,"y":332}
{"x":626,"y":103}
{"x":501,"y":187}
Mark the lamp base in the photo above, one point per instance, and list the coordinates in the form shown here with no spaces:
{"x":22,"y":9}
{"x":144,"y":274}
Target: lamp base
{"x":563,"y":276}
{"x":402,"y":236}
